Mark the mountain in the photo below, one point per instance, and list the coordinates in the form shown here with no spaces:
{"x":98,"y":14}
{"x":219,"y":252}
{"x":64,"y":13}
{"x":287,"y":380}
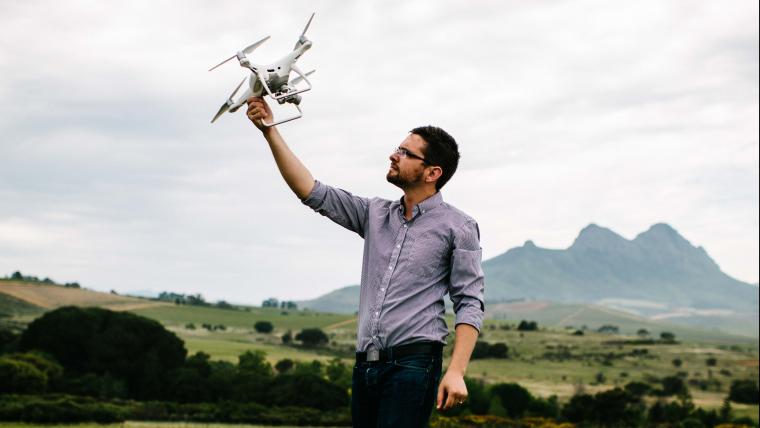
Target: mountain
{"x":341,"y":301}
{"x":658,"y":275}
{"x":659,"y":265}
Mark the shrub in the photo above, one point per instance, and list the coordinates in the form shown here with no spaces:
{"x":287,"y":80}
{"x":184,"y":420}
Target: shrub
{"x":673,"y":385}
{"x":312,"y":337}
{"x":263,"y":327}
{"x":284,"y":365}
{"x":744,"y":391}
{"x":21,"y":377}
{"x":638,"y":389}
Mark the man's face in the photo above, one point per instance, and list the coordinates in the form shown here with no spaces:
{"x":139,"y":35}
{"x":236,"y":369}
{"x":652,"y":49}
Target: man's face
{"x":407,"y":171}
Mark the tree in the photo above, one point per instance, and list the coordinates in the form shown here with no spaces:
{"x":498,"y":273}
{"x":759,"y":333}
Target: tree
{"x":338,"y":373}
{"x":667,"y":336}
{"x":287,"y":337}
{"x":514,"y":398}
{"x":498,"y":350}
{"x":527,"y":326}
{"x":481,"y":350}
{"x":677,"y":362}
{"x":270,"y":303}
{"x":642,"y":333}
{"x":609,"y":328}
{"x":137,"y":350}
{"x":638,"y":389}
{"x":263,"y":327}
{"x":312,"y":337}
{"x":255,"y":362}
{"x":307,"y":391}
{"x":580,"y":408}
{"x":673,"y":385}
{"x":744,"y":391}
{"x":711,"y":362}
{"x":284,"y":365}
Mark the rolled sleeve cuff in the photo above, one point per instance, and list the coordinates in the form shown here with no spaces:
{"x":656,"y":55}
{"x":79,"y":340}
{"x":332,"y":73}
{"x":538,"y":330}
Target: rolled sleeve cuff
{"x":317,"y":195}
{"x":471,"y":313}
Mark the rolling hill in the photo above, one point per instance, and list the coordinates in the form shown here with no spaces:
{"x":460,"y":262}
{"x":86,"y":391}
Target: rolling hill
{"x":658,"y":276}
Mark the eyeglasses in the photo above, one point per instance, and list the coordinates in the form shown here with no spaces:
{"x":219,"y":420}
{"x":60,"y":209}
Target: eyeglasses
{"x":404,"y":153}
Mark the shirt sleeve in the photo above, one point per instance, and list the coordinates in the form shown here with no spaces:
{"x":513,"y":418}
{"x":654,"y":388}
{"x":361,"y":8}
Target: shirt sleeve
{"x":339,"y":206}
{"x":467,"y":280}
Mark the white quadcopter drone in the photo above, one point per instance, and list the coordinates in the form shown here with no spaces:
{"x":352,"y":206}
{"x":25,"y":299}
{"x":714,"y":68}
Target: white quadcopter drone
{"x":271,"y":79}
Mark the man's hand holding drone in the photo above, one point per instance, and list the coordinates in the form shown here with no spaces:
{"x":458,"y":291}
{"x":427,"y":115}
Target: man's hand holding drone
{"x":258,"y":111}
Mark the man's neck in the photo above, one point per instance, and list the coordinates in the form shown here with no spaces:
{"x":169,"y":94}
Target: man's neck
{"x":412,"y":197}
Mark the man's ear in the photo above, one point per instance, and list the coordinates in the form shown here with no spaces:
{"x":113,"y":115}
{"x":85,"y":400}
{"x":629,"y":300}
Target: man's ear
{"x":433,"y":174}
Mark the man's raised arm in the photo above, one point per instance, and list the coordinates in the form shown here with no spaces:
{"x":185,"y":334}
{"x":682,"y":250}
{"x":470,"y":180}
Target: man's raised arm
{"x":298,"y":178}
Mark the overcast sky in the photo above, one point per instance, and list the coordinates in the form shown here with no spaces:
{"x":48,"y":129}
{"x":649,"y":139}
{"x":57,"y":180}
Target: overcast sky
{"x":623,"y":114}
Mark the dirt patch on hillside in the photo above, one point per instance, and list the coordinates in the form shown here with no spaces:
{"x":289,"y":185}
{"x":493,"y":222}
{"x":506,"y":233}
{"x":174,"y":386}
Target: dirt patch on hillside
{"x":135,"y":306}
{"x":341,"y":324}
{"x":520,"y":307}
{"x":54,"y":296}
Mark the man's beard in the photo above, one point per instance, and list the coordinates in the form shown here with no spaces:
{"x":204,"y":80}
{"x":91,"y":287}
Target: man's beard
{"x":400,"y":181}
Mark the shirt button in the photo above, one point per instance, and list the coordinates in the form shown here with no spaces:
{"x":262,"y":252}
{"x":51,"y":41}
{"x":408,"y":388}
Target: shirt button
{"x":404,"y":225}
{"x":377,"y":313}
{"x":390,"y":267}
{"x":398,"y":246}
{"x":382,"y":289}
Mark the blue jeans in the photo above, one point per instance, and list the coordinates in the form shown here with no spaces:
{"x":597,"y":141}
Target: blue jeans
{"x":398,"y":393}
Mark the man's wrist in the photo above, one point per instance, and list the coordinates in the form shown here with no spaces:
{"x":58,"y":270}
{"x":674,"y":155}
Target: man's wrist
{"x":459,"y":371}
{"x":268,"y":131}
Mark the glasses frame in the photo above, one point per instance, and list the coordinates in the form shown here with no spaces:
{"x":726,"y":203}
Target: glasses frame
{"x":404,"y":153}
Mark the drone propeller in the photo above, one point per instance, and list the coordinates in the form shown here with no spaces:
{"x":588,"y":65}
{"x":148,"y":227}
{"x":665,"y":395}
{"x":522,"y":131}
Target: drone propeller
{"x":302,"y":37}
{"x":226,"y":106}
{"x":247,"y":50}
{"x":298,"y":79}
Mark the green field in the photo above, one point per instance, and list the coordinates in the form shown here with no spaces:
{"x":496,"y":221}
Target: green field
{"x":550,"y":361}
{"x":130,"y":424}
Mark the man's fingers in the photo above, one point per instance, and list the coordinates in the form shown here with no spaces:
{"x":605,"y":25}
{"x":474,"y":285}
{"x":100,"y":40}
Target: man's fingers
{"x":440,"y":396}
{"x":450,"y":402}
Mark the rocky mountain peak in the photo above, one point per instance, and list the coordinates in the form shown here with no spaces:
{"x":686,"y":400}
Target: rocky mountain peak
{"x":597,"y":237}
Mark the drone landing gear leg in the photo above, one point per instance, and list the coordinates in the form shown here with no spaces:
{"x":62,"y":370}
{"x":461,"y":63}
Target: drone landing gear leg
{"x":263,"y":81}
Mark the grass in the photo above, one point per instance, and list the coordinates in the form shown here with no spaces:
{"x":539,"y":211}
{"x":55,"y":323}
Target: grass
{"x":180,"y":315}
{"x":136,"y":424}
{"x":584,"y":362}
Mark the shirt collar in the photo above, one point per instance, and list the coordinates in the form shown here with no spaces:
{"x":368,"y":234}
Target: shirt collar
{"x":424,"y":206}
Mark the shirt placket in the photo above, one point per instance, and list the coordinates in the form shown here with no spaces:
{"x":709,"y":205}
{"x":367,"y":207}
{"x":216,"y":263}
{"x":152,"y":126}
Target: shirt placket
{"x":383,"y":290}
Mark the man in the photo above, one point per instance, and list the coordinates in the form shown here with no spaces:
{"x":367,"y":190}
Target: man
{"x":415,"y":251}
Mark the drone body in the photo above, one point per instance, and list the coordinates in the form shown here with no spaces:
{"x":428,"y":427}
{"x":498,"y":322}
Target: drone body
{"x":273,"y":79}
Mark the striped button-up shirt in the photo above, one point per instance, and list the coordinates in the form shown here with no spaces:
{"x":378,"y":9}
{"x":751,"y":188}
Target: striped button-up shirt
{"x":409,"y":266}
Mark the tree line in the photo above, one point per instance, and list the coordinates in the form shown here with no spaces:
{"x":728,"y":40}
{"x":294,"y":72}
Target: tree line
{"x":18,"y":276}
{"x":93,"y":364}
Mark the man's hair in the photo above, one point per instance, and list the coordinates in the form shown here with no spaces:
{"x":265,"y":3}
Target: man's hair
{"x":441,"y":150}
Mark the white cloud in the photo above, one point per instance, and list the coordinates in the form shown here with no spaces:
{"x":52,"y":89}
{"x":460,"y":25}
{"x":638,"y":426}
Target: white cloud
{"x":567,"y":113}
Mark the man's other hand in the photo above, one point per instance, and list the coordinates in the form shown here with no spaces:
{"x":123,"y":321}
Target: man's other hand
{"x":258,"y":112}
{"x":452,"y":389}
